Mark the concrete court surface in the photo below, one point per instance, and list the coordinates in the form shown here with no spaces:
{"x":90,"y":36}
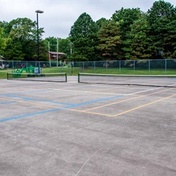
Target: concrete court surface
{"x":71,"y":129}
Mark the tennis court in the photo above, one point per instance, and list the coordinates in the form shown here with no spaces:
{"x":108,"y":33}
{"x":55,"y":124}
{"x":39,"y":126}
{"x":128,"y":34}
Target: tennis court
{"x":77,"y":129}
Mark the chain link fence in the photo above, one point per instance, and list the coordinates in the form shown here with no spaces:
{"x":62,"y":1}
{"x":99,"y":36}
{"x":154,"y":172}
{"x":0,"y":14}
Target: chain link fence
{"x":115,"y":66}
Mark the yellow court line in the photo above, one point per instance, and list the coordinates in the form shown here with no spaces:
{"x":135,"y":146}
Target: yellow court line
{"x":125,"y":112}
{"x":100,"y":114}
{"x":93,"y":113}
{"x":102,"y":106}
{"x":3,"y":99}
{"x":142,"y":106}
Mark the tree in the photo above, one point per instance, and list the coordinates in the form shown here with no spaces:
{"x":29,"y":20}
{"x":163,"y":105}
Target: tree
{"x":22,"y":39}
{"x":60,"y":45}
{"x":140,"y":40}
{"x":125,"y":18}
{"x":83,"y":37}
{"x":51,"y":43}
{"x":101,"y":22}
{"x":2,"y":41}
{"x":162,"y":20}
{"x":109,"y":40}
{"x":65,"y":46}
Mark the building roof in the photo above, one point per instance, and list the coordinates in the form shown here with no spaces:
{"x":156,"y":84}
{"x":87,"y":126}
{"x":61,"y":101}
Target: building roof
{"x":55,"y":53}
{"x":1,"y":58}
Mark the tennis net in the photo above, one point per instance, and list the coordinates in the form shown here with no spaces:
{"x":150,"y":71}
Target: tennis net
{"x":44,"y":77}
{"x":140,"y":80}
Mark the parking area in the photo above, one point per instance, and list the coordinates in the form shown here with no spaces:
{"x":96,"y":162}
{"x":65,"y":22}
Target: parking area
{"x":75,"y":129}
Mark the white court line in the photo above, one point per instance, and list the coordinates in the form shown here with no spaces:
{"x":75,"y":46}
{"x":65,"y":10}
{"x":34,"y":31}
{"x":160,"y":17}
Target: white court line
{"x":142,"y":91}
{"x":94,"y":92}
{"x":125,"y":100}
{"x":104,"y":93}
{"x":90,"y":157}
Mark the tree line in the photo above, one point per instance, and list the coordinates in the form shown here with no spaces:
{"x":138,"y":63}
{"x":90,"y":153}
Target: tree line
{"x":128,"y":34}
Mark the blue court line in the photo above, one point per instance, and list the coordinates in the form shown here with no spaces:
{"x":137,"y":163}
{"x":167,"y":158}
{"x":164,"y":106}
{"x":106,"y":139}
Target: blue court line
{"x":57,"y":109}
{"x":28,"y":115}
{"x":6,"y":103}
{"x":11,"y":95}
{"x":95,"y":101}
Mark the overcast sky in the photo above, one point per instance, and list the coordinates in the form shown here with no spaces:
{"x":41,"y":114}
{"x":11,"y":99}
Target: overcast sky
{"x":60,"y":15}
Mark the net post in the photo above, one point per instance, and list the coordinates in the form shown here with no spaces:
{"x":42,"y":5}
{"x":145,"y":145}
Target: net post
{"x":7,"y":75}
{"x":78,"y":77}
{"x":65,"y":77}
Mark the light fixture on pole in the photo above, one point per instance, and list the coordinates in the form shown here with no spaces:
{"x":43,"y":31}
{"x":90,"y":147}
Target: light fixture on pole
{"x":38,"y":52}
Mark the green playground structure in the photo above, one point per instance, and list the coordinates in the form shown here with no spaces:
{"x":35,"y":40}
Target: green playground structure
{"x":31,"y":70}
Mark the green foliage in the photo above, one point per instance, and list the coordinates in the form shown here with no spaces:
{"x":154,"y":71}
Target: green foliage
{"x":129,"y":34}
{"x":51,"y":43}
{"x":60,"y":45}
{"x":83,"y":37}
{"x":125,"y":18}
{"x":140,"y":41}
{"x":109,"y":40}
{"x":162,"y":20}
{"x":3,"y":41}
{"x":65,"y":46}
{"x":20,"y":36}
{"x":83,"y":27}
{"x":101,"y":22}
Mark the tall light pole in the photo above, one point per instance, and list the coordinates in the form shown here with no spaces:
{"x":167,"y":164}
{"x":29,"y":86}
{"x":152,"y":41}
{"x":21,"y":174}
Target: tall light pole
{"x":38,"y":50}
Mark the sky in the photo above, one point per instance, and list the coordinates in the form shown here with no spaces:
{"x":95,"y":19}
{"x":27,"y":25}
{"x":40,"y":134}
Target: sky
{"x":60,"y":15}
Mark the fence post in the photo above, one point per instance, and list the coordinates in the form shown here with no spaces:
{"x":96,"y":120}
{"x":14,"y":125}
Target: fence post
{"x":50,"y":63}
{"x":71,"y":67}
{"x":165,"y":65}
{"x":94,"y":66}
{"x":149,"y":65}
{"x":13,"y":65}
{"x":120,"y":65}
